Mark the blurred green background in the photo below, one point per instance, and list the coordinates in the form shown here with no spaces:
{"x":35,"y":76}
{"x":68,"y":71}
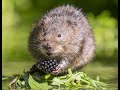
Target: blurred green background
{"x":19,"y":15}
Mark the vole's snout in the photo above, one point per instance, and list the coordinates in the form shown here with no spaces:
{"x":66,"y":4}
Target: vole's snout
{"x":48,"y":48}
{"x":48,"y":53}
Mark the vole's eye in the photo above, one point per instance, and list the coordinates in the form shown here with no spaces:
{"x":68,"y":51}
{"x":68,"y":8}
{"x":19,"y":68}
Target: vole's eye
{"x":44,"y":33}
{"x":59,"y":35}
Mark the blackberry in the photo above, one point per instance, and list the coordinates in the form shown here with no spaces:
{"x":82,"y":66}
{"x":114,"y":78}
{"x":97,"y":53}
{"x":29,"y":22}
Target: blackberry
{"x":44,"y":67}
{"x":47,"y":66}
{"x":34,"y":69}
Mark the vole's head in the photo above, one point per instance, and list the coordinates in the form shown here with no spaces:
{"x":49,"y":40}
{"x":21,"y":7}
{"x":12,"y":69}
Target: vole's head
{"x":55,"y":37}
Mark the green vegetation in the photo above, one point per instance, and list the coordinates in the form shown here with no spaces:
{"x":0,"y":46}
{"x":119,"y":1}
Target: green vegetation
{"x":76,"y":81}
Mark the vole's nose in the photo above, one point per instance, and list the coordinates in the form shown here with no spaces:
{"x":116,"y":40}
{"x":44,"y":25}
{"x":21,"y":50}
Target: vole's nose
{"x":48,"y":49}
{"x":46,"y":46}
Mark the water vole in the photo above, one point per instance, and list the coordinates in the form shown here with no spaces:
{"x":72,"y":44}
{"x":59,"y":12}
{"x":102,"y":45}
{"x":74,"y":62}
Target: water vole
{"x":64,"y":36}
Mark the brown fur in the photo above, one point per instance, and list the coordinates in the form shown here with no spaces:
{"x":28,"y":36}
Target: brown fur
{"x":64,"y":34}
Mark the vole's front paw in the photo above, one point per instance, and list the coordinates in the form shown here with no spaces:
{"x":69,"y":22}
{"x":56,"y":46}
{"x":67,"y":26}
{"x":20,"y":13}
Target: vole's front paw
{"x":57,"y":70}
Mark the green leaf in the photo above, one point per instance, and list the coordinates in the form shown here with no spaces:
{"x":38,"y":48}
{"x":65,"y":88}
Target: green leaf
{"x":23,"y":82}
{"x":19,"y":82}
{"x":38,"y":77}
{"x":57,"y":81}
{"x":70,"y":72}
{"x":47,"y":76}
{"x":37,"y":86}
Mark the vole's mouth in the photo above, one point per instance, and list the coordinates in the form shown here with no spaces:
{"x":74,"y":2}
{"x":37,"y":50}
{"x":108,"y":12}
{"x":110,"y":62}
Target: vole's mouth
{"x":49,"y":54}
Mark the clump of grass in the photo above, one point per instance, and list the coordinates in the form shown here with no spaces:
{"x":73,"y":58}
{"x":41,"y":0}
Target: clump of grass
{"x":71,"y":81}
